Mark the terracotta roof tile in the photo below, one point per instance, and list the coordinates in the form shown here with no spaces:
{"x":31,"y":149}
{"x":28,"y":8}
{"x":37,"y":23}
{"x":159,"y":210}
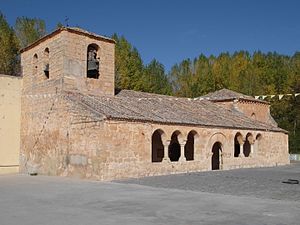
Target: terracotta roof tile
{"x":225,"y":94}
{"x":139,"y":106}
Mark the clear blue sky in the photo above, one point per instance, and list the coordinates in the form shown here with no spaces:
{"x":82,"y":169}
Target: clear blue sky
{"x":172,"y":30}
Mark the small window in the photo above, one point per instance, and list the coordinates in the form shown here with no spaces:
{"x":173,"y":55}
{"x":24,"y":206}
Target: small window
{"x":253,"y":116}
{"x":46,"y":63}
{"x":93,"y":61}
{"x":35,"y":64}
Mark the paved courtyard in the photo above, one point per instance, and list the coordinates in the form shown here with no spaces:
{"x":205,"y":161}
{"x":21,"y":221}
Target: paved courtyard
{"x":245,"y":196}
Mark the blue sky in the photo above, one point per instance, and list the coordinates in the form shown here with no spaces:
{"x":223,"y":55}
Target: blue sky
{"x":172,"y":30}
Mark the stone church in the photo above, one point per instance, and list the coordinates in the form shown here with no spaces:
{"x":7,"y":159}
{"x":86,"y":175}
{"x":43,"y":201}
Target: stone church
{"x":70,"y":121}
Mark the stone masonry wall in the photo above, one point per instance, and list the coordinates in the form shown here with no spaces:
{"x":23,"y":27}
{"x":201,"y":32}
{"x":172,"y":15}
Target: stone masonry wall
{"x":261,"y":111}
{"x":68,"y":140}
{"x":75,"y":65}
{"x":68,"y":65}
{"x":33,"y":70}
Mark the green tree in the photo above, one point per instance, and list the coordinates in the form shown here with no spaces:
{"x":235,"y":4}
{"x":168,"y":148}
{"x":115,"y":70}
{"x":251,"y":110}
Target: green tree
{"x":28,"y":30}
{"x":128,"y":65}
{"x":155,"y":80}
{"x":9,"y":62}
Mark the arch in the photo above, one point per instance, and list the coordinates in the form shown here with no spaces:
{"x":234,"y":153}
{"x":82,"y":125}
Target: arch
{"x":258,"y":139}
{"x":253,"y":116}
{"x":216,"y":137}
{"x":46,"y":63}
{"x":216,"y":158}
{"x":35,"y":60}
{"x":174,"y":147}
{"x":157,"y":145}
{"x":189,"y":147}
{"x":238,"y":140}
{"x":247,"y":144}
{"x":93,"y":61}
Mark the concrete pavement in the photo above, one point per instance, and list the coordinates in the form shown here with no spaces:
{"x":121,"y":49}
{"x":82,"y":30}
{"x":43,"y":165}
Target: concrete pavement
{"x":63,"y":201}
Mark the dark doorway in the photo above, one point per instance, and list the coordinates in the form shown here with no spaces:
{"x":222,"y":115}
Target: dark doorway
{"x":215,"y":160}
{"x":174,"y":148}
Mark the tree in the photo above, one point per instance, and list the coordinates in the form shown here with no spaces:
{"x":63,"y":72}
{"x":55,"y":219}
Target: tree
{"x":28,"y":30}
{"x":128,"y":65}
{"x":155,"y":80}
{"x":9,"y":63}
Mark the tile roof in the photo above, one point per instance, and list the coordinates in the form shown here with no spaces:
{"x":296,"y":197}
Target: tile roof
{"x":146,"y":107}
{"x":225,"y":94}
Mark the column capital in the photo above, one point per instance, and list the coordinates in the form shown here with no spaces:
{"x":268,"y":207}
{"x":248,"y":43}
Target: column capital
{"x":183,"y":142}
{"x":167,"y":142}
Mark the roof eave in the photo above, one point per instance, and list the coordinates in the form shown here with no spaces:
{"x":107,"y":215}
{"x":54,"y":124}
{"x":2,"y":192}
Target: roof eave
{"x":59,"y":30}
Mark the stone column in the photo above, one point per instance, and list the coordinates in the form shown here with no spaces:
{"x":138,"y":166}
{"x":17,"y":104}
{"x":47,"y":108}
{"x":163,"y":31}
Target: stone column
{"x":242,"y":150}
{"x":182,"y":157}
{"x":252,"y":149}
{"x":166,"y":151}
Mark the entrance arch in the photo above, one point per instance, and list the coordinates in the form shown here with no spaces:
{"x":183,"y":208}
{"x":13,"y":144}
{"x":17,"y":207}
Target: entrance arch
{"x":216,"y":156}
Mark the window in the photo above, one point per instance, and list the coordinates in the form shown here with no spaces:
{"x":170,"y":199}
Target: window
{"x":35,"y":64}
{"x":46,"y":63}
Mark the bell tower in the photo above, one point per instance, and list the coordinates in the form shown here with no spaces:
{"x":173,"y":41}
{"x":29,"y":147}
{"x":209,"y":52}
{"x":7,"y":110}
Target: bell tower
{"x":69,"y":59}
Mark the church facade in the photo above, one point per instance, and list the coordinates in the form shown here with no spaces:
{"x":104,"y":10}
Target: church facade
{"x":74,"y":124}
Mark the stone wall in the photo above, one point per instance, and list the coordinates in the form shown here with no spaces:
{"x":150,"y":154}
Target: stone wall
{"x":75,"y":65}
{"x":68,"y":65}
{"x":114,"y":150}
{"x":255,"y":110}
{"x":10,"y":112}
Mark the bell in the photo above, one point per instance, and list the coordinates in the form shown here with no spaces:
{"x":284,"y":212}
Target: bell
{"x":93,"y":65}
{"x":46,"y":69}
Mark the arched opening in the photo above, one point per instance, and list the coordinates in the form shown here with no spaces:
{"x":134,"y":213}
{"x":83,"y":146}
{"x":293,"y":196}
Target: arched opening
{"x":189,"y":147}
{"x":157,"y":146}
{"x":253,"y":116}
{"x":35,"y":64}
{"x":216,"y":159}
{"x":93,"y":61}
{"x":237,"y":146}
{"x":46,"y":63}
{"x":257,"y":143}
{"x":174,"y":147}
{"x":247,"y":145}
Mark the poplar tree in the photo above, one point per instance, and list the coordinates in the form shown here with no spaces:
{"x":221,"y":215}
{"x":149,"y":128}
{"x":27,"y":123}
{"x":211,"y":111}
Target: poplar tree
{"x":9,"y":62}
{"x":28,"y":30}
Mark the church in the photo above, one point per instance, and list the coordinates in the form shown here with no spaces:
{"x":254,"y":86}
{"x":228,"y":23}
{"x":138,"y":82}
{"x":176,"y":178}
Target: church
{"x":63,"y":117}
